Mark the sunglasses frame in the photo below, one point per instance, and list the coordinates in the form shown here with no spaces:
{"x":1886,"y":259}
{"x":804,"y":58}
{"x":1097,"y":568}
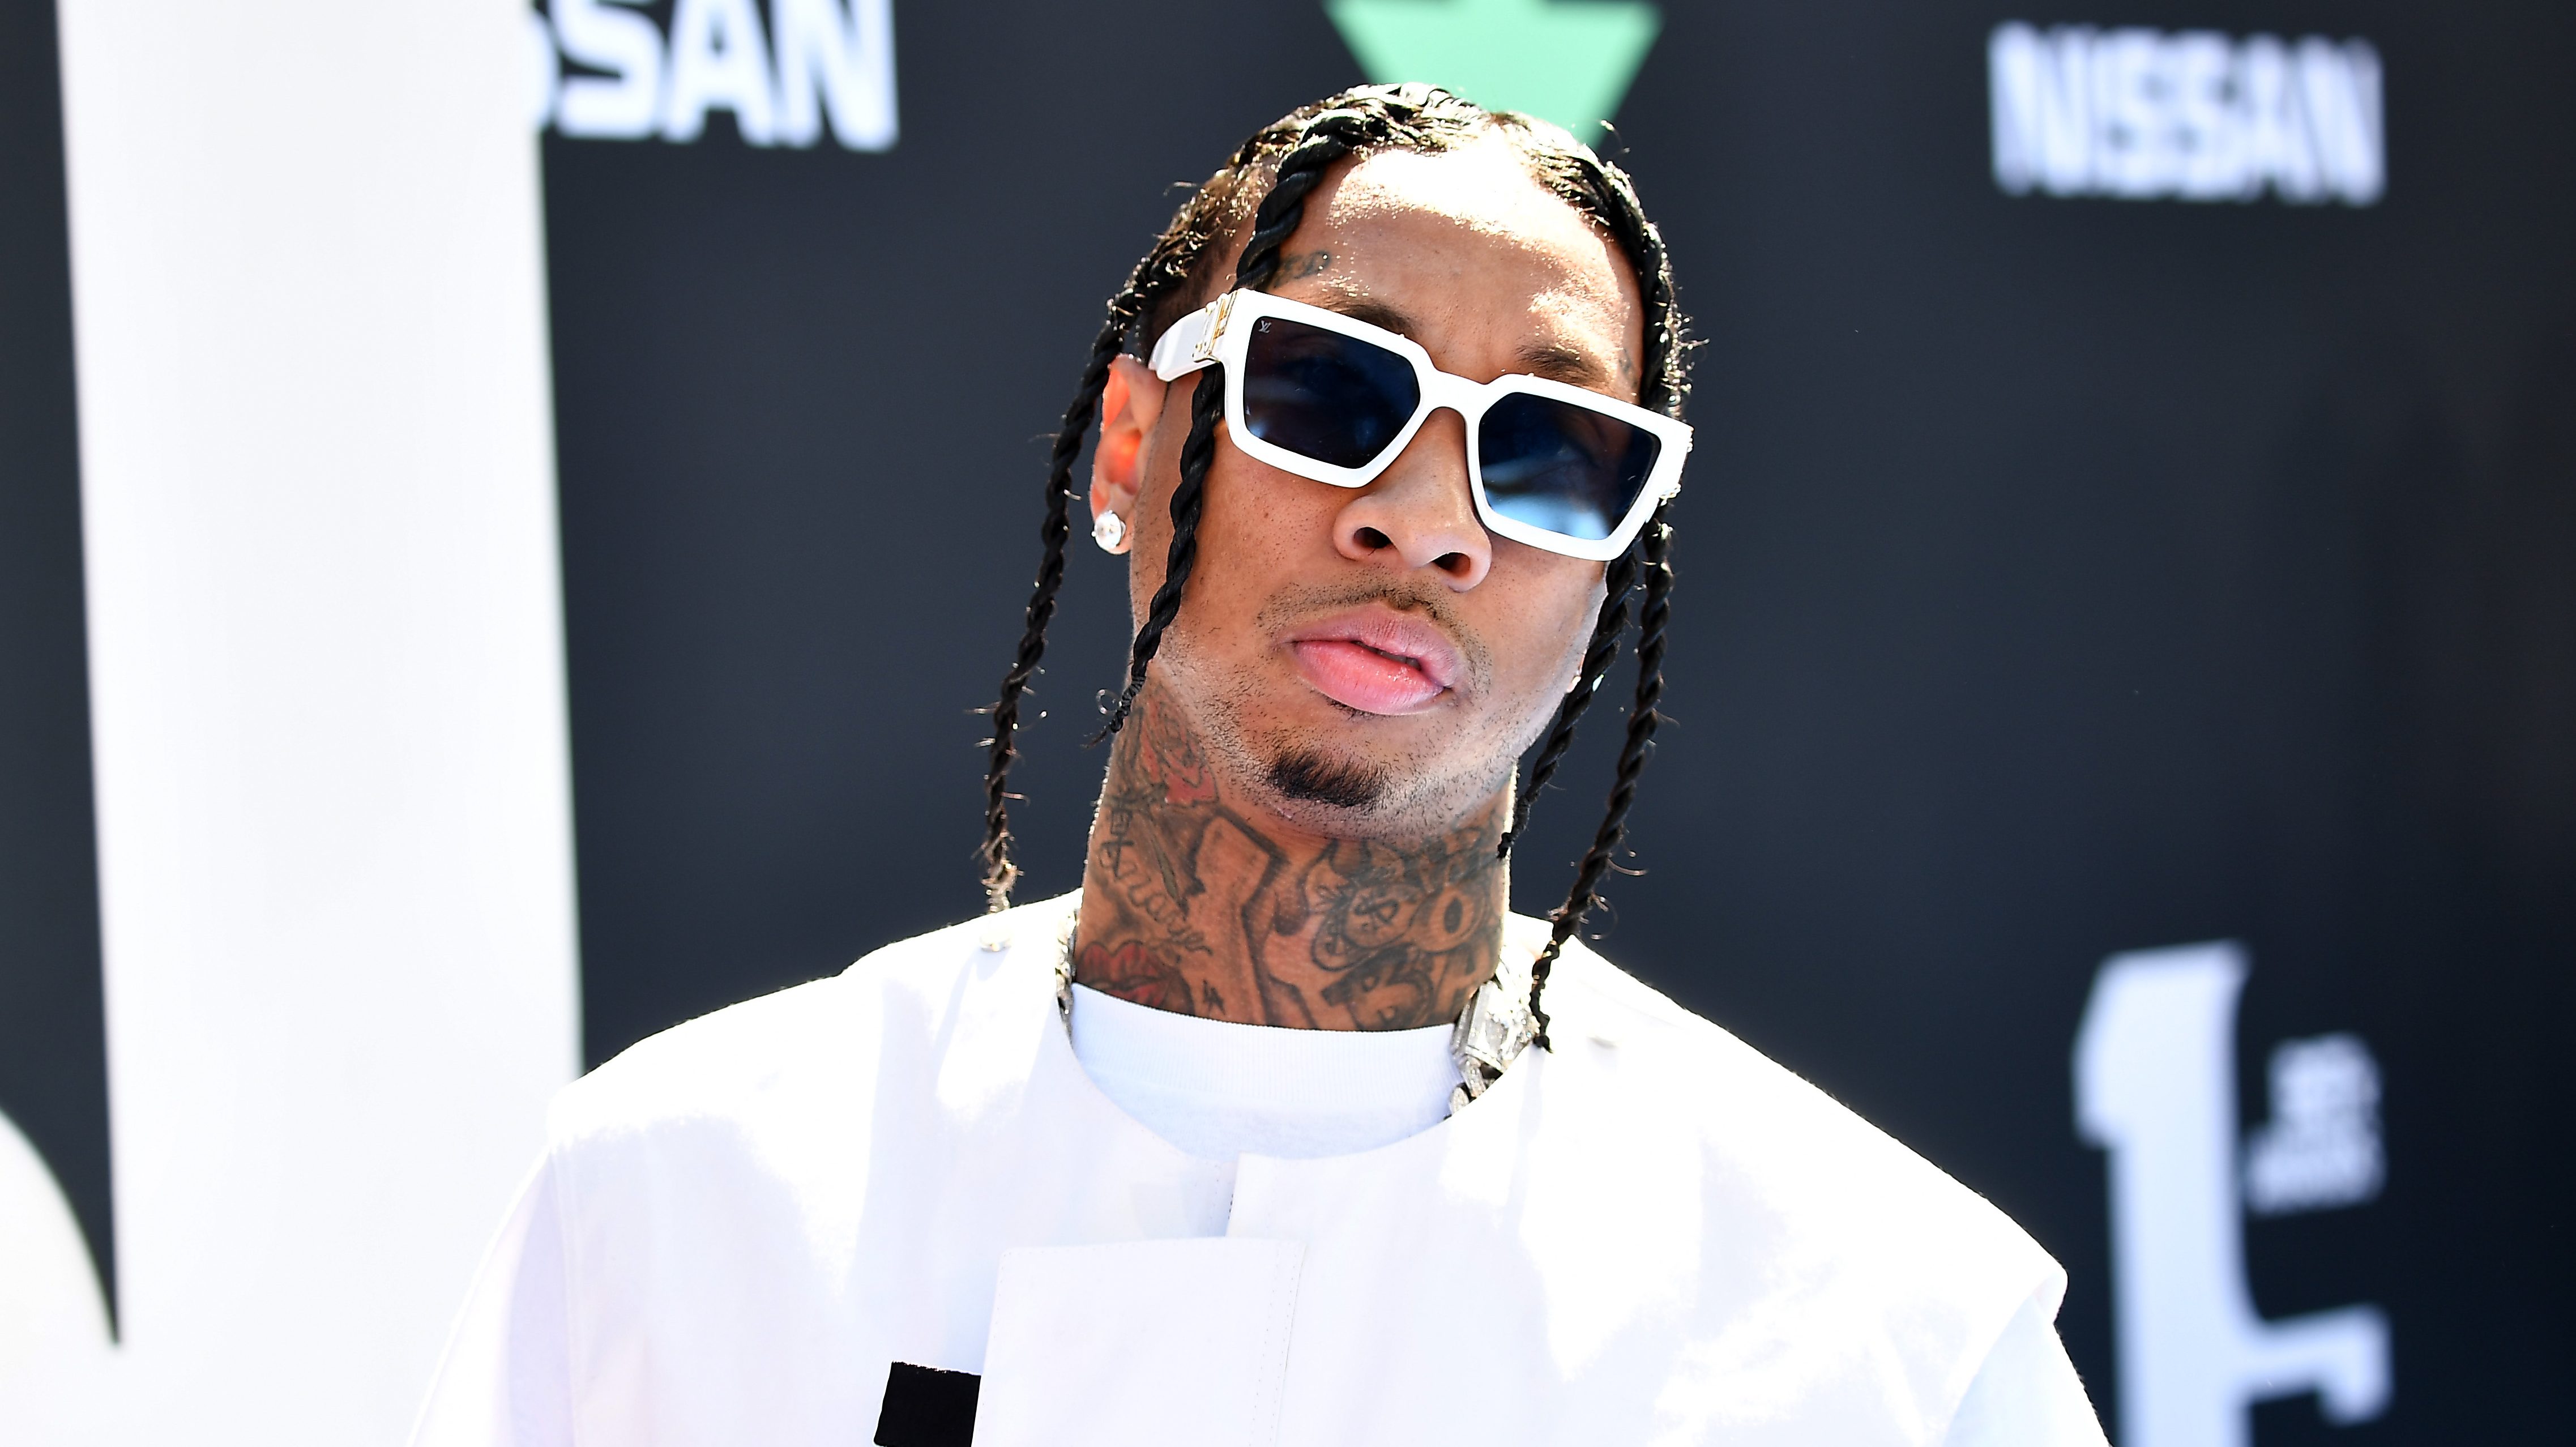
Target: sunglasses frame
{"x":1220,"y":333}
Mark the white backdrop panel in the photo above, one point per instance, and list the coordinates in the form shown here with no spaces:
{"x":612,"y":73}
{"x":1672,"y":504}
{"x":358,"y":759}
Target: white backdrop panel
{"x":326,"y":657}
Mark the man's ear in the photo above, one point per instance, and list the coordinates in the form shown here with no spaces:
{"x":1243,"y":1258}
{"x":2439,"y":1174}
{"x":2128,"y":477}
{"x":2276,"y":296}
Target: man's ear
{"x":1129,"y":407}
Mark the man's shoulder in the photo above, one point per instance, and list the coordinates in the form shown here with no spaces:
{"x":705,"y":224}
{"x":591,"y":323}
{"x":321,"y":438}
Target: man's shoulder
{"x":1708,"y":1082}
{"x":830,"y":1041}
{"x":1805,"y":1162}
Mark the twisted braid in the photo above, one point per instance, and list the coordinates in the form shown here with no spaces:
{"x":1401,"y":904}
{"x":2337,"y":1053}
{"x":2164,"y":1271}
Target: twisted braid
{"x":1198,"y":451}
{"x":1656,"y":546}
{"x":1325,"y":141}
{"x":999,"y":872}
{"x":1617,"y":582}
{"x":1603,"y":192}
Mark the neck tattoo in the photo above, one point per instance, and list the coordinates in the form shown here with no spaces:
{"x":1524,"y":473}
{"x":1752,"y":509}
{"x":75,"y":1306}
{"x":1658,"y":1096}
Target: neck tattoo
{"x":1196,"y":904}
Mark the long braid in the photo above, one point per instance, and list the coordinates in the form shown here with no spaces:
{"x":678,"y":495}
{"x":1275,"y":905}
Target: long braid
{"x":1656,"y":546}
{"x":1198,"y":451}
{"x":1324,"y":141}
{"x":999,"y":872}
{"x":1619,"y":579}
{"x":1603,"y":192}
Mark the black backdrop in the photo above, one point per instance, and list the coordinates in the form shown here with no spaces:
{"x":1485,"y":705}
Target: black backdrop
{"x":2059,"y":577}
{"x":53,"y":1033}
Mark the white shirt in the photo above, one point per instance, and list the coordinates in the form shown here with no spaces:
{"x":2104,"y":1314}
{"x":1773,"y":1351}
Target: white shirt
{"x":1651,"y":1234}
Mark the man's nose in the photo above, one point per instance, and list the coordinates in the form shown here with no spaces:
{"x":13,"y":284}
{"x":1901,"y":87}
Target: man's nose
{"x":1419,"y":512}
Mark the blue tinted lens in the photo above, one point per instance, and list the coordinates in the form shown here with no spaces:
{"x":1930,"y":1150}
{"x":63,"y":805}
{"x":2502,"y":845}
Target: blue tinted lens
{"x":1323,"y":395}
{"x":1562,"y":468}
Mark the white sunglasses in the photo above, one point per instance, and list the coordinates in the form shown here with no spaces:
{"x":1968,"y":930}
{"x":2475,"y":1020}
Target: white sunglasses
{"x":1316,"y":393}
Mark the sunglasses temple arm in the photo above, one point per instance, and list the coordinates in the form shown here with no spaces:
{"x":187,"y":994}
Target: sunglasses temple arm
{"x":1179,"y":352}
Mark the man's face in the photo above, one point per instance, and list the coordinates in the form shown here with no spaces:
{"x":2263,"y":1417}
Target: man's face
{"x":1370,"y":661}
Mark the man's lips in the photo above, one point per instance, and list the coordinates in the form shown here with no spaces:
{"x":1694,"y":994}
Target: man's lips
{"x":1376,"y":662}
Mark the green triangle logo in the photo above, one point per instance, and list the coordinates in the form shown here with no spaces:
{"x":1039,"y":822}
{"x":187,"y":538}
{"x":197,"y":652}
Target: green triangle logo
{"x":1568,"y":61}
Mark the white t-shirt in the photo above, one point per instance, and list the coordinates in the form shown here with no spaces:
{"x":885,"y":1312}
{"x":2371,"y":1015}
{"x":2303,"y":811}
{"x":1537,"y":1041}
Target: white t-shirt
{"x":743,"y":1222}
{"x":1221,"y":1090}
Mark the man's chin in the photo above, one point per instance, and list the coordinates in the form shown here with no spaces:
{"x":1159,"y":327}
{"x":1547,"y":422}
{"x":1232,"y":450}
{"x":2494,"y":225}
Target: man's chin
{"x":1354,"y":794}
{"x":1319,"y":769}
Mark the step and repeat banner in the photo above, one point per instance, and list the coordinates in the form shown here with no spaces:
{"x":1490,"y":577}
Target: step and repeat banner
{"x":506,"y":515}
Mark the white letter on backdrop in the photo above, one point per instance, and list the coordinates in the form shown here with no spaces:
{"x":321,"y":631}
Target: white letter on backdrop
{"x":2132,"y":149}
{"x":51,"y":1310}
{"x":2208,"y":163}
{"x":2155,"y":1083}
{"x":545,"y":72}
{"x":2012,"y":90}
{"x":2340,"y":86}
{"x":2274,"y":125}
{"x":848,"y":54}
{"x":719,"y":58}
{"x":2321,"y":1148}
{"x":621,"y":105}
{"x":2043,"y":108}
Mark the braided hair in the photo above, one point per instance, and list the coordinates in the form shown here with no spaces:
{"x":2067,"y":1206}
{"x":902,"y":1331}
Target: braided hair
{"x":1266,"y":183}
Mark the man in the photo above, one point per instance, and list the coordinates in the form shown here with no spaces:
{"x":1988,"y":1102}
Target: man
{"x":1387,"y":421}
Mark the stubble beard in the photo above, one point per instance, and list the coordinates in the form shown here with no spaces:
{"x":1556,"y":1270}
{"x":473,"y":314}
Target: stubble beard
{"x":1309,"y":776}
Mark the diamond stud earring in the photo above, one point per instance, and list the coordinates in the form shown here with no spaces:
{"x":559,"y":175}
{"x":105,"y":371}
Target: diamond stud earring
{"x":1109,"y":532}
